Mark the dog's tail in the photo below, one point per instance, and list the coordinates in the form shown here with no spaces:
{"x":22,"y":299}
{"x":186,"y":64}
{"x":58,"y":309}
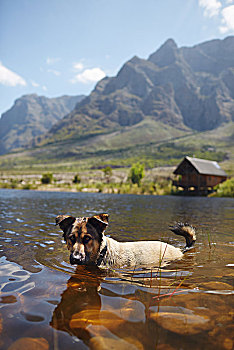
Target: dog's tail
{"x":187,"y":231}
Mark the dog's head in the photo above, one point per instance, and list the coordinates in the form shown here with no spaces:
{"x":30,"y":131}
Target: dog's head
{"x":83,"y":236}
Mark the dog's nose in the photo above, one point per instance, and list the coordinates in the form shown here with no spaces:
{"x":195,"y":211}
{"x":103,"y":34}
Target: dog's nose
{"x":77,"y":258}
{"x":78,"y":255}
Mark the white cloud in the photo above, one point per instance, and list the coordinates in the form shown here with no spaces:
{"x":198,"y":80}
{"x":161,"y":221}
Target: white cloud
{"x":78,"y":66}
{"x":211,"y":7}
{"x":229,"y":1}
{"x":52,"y":60}
{"x":44,"y":88}
{"x":34,"y":84}
{"x":227,"y":20}
{"x":9,"y":78}
{"x":53,"y":71}
{"x":89,"y":76}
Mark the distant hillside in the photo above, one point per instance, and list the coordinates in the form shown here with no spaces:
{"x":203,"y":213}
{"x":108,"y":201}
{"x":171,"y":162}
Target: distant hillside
{"x":30,"y":116}
{"x":178,"y":102}
{"x":188,"y":88}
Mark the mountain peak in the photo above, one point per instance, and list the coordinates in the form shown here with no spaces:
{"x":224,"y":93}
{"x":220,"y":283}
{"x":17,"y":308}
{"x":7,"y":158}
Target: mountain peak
{"x":166,"y":54}
{"x":170,"y":43}
{"x":135,"y":59}
{"x":27,"y":97}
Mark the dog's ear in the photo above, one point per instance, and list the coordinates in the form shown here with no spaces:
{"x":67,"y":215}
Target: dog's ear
{"x":100,"y":222}
{"x":64,"y":221}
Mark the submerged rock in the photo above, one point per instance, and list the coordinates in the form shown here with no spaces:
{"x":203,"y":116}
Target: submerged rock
{"x":30,"y":344}
{"x":8,"y":299}
{"x":181,"y":323}
{"x":216,"y":285}
{"x":223,"y":337}
{"x":95,"y":317}
{"x":164,"y":347}
{"x":101,"y":343}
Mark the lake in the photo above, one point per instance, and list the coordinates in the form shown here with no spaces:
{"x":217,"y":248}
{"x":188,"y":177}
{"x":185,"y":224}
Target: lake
{"x":45,"y":303}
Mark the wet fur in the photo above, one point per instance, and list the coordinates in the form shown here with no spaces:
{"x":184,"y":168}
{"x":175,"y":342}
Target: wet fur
{"x":89,"y":246}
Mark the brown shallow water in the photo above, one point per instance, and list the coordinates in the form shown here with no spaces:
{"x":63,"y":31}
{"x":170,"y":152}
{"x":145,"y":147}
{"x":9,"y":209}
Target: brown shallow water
{"x":47,"y":304}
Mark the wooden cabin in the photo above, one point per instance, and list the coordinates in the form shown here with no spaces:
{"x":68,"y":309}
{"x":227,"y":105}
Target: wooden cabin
{"x":198,"y":176}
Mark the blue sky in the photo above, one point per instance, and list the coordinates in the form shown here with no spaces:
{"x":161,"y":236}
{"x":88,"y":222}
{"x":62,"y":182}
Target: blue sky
{"x":59,"y":47}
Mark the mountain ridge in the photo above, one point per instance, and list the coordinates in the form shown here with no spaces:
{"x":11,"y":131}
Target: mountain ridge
{"x":30,"y":116}
{"x":148,"y":103}
{"x":187,"y":88}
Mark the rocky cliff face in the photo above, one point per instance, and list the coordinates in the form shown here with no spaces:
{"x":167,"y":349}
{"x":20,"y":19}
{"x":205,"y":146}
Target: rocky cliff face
{"x":188,"y":87}
{"x":197,"y":75}
{"x":30,"y":116}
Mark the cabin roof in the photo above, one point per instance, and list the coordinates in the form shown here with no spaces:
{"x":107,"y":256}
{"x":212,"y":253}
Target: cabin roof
{"x":203,"y":166}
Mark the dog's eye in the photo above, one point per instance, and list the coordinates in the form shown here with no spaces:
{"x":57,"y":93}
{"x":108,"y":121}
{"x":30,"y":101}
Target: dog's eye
{"x":86,"y":239}
{"x":72,"y":238}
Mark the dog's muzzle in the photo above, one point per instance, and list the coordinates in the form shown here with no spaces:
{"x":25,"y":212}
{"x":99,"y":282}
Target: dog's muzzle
{"x":77,"y":259}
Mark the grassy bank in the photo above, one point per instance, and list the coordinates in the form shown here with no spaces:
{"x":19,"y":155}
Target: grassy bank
{"x":154,"y":145}
{"x":157,"y":181}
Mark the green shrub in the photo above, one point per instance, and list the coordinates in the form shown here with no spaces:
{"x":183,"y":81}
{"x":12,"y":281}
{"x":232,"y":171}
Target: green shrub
{"x":107,"y":172}
{"x":47,"y":178}
{"x":27,"y":186}
{"x":225,"y":189}
{"x":137,"y":172}
{"x":77,"y":179}
{"x":100,"y":187}
{"x":14,"y":184}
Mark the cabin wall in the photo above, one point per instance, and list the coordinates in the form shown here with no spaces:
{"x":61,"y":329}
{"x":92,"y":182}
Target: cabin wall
{"x":212,"y":180}
{"x":199,"y":181}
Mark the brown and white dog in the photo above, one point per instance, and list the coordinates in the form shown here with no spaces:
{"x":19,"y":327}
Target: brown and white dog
{"x":89,"y":246}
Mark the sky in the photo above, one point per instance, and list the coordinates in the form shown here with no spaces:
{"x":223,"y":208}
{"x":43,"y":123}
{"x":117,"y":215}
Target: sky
{"x":64,"y":47}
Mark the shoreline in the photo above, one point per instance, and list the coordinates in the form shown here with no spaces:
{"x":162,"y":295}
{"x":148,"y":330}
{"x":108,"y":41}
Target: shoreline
{"x":95,"y":190}
{"x":157,"y":181}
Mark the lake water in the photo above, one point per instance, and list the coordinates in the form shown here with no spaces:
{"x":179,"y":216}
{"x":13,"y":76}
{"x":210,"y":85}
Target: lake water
{"x":45,"y":303}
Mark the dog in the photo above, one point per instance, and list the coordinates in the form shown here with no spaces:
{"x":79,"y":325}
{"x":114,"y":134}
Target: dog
{"x":88,"y":244}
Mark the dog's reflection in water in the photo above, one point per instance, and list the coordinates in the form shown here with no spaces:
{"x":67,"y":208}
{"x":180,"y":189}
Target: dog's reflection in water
{"x":98,"y":316}
{"x":77,"y":302}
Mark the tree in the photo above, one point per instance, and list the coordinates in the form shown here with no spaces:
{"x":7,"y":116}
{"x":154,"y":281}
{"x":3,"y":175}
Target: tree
{"x":107,"y":172}
{"x":47,"y":178}
{"x":76,"y":179}
{"x":137,"y":172}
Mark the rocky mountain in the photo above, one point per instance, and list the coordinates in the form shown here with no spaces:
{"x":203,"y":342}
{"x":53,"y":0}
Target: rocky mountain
{"x":30,"y":116}
{"x":187,"y":88}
